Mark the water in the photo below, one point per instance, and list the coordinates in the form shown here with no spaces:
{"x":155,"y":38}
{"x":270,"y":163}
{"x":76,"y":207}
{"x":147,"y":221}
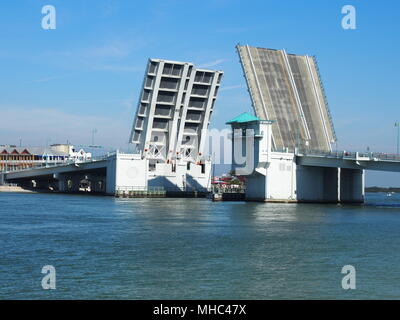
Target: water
{"x":108,"y":248}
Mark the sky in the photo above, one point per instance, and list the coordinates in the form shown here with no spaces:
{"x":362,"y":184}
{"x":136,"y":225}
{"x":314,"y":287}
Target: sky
{"x":58,"y":85}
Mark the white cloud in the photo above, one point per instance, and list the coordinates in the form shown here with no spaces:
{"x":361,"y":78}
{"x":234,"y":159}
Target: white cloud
{"x":232,"y":87}
{"x":112,"y":50}
{"x":50,"y":78}
{"x":114,"y":56}
{"x":116,"y":68}
{"x":211,"y":63}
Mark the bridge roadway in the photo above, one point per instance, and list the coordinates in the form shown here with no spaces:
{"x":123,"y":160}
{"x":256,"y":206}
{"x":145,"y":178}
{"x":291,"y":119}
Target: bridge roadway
{"x":338,"y":176}
{"x":48,"y":171}
{"x":320,"y":176}
{"x":350,"y":160}
{"x":64,"y":177}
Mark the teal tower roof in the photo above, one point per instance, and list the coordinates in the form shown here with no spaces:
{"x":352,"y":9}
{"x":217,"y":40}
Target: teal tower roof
{"x":244,"y":117}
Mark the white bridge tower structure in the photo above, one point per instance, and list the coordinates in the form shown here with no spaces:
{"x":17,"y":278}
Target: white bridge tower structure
{"x":174,"y":111}
{"x":169,"y":131}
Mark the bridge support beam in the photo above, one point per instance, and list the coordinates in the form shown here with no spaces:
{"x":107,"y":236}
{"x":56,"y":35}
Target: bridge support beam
{"x":68,"y":183}
{"x":73,"y":183}
{"x":317,"y":184}
{"x":256,"y":188}
{"x":351,"y":185}
{"x":42,"y":184}
{"x":97,"y":183}
{"x":62,"y":182}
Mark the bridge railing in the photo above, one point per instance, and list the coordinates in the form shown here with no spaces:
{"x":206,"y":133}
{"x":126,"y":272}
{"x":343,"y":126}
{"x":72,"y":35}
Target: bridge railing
{"x":38,"y":165}
{"x":386,"y":156}
{"x":322,"y":153}
{"x":51,"y":164}
{"x":350,"y":155}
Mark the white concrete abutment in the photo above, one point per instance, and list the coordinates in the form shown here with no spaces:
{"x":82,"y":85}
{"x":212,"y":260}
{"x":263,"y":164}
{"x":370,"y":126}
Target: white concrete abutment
{"x":330,"y":185}
{"x":317,"y":184}
{"x":286,"y":176}
{"x":306,"y":184}
{"x":117,"y":172}
{"x":352,"y":183}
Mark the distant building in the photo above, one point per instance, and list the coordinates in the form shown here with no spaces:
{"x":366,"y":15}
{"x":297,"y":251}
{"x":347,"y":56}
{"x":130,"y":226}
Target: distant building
{"x":18,"y":158}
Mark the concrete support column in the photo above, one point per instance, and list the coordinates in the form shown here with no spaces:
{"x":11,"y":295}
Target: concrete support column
{"x":75,"y":183}
{"x":111,"y":174}
{"x":256,"y":187}
{"x":331,"y":185}
{"x":42,"y":184}
{"x":317,"y":184}
{"x":68,"y":183}
{"x":351,"y":186}
{"x":97,"y":183}
{"x":62,"y":182}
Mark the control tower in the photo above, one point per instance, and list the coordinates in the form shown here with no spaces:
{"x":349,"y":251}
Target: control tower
{"x":174,"y":111}
{"x":287,"y":88}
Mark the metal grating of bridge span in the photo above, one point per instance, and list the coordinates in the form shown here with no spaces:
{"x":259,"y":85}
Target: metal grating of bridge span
{"x":287,"y":88}
{"x":174,"y":110}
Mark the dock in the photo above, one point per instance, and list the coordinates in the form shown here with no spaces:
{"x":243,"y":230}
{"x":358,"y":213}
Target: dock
{"x":160,"y":192}
{"x":228,"y":194}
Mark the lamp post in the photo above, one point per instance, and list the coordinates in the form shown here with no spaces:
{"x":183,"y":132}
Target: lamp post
{"x":397,"y":124}
{"x":94,"y":131}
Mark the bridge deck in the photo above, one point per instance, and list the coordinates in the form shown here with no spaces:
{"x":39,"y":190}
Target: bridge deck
{"x":50,"y":170}
{"x":351,"y":160}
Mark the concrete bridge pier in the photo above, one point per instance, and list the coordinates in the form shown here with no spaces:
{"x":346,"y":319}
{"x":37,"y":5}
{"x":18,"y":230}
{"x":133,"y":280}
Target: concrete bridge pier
{"x":97,"y":183}
{"x":42,"y":184}
{"x":73,"y":183}
{"x":351,"y":186}
{"x":62,"y":182}
{"x":317,"y":184}
{"x":68,"y":183}
{"x":256,"y":188}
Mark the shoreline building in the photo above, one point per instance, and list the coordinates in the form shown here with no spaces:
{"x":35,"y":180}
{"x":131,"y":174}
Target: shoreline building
{"x":18,"y":158}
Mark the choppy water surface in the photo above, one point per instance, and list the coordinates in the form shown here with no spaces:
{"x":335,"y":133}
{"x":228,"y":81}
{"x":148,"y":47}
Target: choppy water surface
{"x":103,"y":247}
